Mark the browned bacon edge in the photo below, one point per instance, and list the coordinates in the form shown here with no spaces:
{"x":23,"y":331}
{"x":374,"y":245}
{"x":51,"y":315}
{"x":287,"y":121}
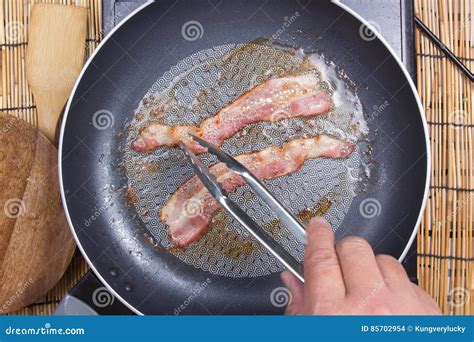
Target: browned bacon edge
{"x":274,"y":100}
{"x":186,"y":225}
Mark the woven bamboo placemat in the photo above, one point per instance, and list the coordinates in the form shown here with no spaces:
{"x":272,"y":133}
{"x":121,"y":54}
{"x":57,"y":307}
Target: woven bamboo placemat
{"x":17,"y":99}
{"x":445,"y":239}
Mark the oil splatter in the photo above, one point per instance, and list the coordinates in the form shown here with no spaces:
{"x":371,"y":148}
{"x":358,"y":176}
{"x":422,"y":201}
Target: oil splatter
{"x":274,"y":226}
{"x":151,"y":167}
{"x":139,"y":116}
{"x":131,"y":195}
{"x":230,"y":243}
{"x":321,"y":208}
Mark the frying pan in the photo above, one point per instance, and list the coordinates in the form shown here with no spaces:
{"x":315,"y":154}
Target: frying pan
{"x":107,"y":229}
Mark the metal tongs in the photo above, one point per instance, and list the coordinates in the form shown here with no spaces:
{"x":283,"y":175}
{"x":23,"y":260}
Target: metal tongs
{"x":214,"y":187}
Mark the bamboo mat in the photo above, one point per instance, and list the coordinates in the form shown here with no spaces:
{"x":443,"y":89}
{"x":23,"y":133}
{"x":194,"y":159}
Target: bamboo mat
{"x":445,"y":239}
{"x":16,"y":98}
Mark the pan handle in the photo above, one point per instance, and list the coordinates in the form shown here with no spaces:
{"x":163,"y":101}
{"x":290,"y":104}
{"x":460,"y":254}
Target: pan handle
{"x":89,"y":297}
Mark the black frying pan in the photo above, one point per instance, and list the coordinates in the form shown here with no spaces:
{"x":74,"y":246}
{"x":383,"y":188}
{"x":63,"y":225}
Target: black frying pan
{"x":150,"y":43}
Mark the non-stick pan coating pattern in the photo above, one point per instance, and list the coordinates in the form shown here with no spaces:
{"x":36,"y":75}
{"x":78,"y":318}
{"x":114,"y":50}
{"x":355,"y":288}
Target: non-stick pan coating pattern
{"x":195,"y":89}
{"x":152,"y":280}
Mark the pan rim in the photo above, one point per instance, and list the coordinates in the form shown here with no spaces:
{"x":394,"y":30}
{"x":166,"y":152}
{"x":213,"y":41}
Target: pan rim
{"x":60,"y":150}
{"x":422,"y":117}
{"x":123,"y":22}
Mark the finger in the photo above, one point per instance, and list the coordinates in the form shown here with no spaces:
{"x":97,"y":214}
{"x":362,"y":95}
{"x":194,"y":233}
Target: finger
{"x":295,"y":286}
{"x":392,"y":271}
{"x":431,"y":306}
{"x":359,"y":268}
{"x":323,"y":276}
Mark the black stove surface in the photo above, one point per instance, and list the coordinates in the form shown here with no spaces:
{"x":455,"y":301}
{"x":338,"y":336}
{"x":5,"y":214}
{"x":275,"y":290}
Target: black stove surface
{"x":393,"y":19}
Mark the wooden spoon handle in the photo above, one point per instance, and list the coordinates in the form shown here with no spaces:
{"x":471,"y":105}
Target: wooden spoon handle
{"x":49,"y":111}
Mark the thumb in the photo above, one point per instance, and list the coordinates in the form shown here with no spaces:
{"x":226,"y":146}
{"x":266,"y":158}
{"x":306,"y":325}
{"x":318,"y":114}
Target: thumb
{"x":294,"y":285}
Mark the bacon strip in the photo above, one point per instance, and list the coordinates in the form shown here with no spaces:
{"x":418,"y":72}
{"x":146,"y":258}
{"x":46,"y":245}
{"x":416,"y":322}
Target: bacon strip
{"x":190,"y":209}
{"x":274,"y":100}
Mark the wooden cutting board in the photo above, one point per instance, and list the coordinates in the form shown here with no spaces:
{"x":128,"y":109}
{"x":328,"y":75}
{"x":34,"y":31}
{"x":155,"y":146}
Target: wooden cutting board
{"x":36,"y":245}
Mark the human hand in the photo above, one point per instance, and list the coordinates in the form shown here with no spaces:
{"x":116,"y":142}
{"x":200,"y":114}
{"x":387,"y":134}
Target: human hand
{"x":348,"y":279}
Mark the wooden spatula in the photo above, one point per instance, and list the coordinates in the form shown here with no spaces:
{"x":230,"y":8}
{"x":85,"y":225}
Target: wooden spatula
{"x":57,"y":38}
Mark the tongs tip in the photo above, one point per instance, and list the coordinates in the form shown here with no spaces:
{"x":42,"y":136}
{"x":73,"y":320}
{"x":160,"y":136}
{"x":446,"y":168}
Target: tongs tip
{"x":192,"y":135}
{"x":201,"y":141}
{"x":183,"y":147}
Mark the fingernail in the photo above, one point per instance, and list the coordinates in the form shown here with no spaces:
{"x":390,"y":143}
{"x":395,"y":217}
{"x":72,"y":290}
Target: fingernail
{"x":285,"y":278}
{"x":319,"y":220}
